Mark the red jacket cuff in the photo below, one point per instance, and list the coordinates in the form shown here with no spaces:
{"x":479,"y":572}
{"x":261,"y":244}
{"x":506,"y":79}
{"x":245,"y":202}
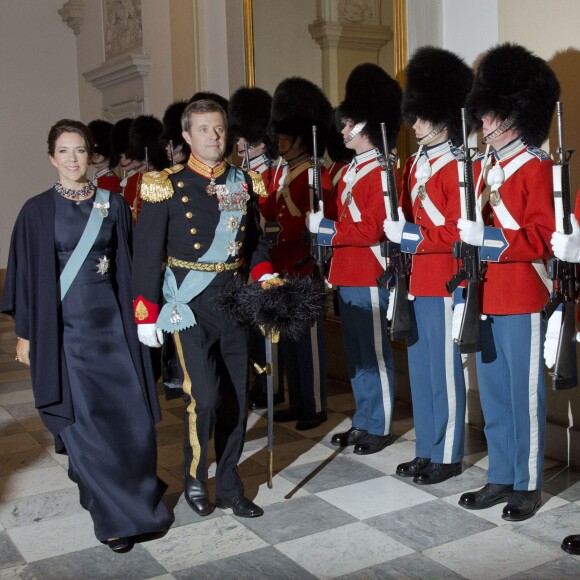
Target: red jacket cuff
{"x":260,"y":269}
{"x":145,"y":312}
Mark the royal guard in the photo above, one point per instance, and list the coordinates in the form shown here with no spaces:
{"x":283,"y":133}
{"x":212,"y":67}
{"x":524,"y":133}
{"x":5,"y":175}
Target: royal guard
{"x":175,"y":146}
{"x":297,"y":105}
{"x":340,"y":155}
{"x":120,"y":158}
{"x":514,"y":96}
{"x":372,"y":97}
{"x":104,"y":177}
{"x":148,"y":153}
{"x":437,"y":83}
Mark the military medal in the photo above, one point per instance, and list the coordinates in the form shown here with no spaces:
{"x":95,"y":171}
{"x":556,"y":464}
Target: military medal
{"x":103,"y":265}
{"x":175,"y":317}
{"x":211,"y":188}
{"x":495,"y":198}
{"x":422,"y":192}
{"x":102,"y":207}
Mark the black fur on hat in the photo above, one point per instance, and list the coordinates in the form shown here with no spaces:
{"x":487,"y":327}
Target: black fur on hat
{"x":119,"y":140}
{"x":248,"y":116}
{"x":371,"y":95}
{"x":290,"y":308}
{"x":510,"y":79}
{"x":101,"y":131}
{"x":172,"y":130}
{"x":297,"y":105}
{"x":145,"y":131}
{"x":437,"y":83}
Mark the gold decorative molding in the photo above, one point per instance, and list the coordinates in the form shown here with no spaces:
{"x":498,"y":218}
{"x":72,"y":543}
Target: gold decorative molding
{"x":73,"y":13}
{"x":249,"y":43}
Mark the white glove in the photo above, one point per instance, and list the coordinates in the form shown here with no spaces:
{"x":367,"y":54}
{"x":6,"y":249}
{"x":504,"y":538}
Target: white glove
{"x":552,"y":338}
{"x":150,"y":335}
{"x":391,"y":305}
{"x":471,"y":232}
{"x":265,"y":277}
{"x":456,"y":320}
{"x":394,"y":230}
{"x":567,"y":246}
{"x":314,"y":218}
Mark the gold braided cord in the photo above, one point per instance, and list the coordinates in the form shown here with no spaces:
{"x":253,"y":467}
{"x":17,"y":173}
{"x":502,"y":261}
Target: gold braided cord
{"x":203,"y":266}
{"x":258,"y":184}
{"x":205,"y":170}
{"x":156,"y":186}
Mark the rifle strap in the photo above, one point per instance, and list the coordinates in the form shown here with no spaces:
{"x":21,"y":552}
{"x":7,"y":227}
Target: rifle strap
{"x":288,"y":176}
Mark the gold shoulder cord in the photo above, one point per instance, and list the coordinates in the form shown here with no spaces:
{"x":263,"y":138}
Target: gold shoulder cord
{"x":156,"y":185}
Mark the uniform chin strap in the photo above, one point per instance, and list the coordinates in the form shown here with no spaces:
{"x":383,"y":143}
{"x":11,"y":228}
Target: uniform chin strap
{"x":431,"y":135}
{"x":505,"y":125}
{"x":355,"y":131}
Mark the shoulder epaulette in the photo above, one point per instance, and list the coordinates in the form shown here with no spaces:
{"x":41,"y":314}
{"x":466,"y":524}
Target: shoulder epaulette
{"x":258,"y":184}
{"x":538,"y":153}
{"x":156,"y":185}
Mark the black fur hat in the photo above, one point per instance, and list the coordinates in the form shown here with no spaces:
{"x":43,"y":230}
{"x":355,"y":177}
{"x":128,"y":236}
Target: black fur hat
{"x":248,"y":116}
{"x":510,"y":79}
{"x":336,"y":148}
{"x":119,"y":140}
{"x":172,"y":123}
{"x":371,"y":95}
{"x":145,"y":131}
{"x":101,"y":131}
{"x":437,"y":83}
{"x":297,"y":105}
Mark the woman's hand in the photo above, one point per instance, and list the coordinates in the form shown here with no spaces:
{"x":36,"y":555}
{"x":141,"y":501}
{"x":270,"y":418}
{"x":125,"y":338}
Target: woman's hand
{"x":23,"y":351}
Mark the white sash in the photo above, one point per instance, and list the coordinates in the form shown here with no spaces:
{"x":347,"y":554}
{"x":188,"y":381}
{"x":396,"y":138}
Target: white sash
{"x":288,"y":176}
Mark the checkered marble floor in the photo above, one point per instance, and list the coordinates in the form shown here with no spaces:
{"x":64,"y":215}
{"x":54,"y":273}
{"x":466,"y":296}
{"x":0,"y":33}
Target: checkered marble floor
{"x":330,"y":514}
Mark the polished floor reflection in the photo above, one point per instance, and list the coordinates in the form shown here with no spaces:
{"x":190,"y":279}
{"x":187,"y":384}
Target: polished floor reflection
{"x":330,"y":514}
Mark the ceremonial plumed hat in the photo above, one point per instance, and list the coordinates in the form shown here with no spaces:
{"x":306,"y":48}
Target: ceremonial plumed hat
{"x":297,"y":105}
{"x":119,"y":140}
{"x":145,"y":132}
{"x":172,"y":130}
{"x":437,"y":83}
{"x":101,"y":131}
{"x":371,"y":95}
{"x":510,"y":79}
{"x":249,"y":113}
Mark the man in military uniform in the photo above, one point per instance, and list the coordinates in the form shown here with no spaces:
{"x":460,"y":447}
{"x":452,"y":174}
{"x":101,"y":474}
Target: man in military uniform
{"x":206,"y":216}
{"x":105,"y":177}
{"x":514,"y":94}
{"x":175,"y":146}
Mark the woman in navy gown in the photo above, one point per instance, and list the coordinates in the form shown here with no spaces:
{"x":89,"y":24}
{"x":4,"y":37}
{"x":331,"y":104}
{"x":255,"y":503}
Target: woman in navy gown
{"x":91,"y":378}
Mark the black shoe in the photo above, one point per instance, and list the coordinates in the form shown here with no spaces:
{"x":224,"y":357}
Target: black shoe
{"x":522,"y":505}
{"x":196,"y":496}
{"x":241,"y":506}
{"x":371,"y":444}
{"x":261,"y":401}
{"x":121,"y":545}
{"x":489,"y":495}
{"x":571,"y":544}
{"x":437,"y":472}
{"x":310,"y":421}
{"x":286,"y":415}
{"x":350,"y":437}
{"x":412,"y":468}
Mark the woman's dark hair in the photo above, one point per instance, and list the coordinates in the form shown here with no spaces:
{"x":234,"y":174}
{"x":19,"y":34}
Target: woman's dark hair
{"x":69,"y":126}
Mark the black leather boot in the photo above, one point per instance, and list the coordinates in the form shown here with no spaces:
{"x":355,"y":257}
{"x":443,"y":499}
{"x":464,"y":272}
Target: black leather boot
{"x":197,"y":497}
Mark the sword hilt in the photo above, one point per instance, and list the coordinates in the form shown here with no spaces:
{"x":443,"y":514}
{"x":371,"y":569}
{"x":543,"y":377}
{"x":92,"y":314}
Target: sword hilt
{"x":266,"y":369}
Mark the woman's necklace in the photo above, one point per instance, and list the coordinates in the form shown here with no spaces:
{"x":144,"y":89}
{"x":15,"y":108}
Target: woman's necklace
{"x":77,"y":195}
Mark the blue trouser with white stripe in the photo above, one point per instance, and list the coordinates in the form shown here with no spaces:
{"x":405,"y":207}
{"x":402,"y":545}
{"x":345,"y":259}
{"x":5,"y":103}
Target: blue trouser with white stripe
{"x":437,"y":382}
{"x":510,"y":371}
{"x":363,"y":315}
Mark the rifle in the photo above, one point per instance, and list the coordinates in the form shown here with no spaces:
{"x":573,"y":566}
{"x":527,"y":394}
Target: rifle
{"x":564,"y":275}
{"x":317,"y":253}
{"x":398,"y":263}
{"x":247,"y":156}
{"x":171,"y":156}
{"x":469,"y":267}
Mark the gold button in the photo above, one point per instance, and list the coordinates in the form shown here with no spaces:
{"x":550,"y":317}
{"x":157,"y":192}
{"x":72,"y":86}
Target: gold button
{"x":197,"y":245}
{"x":193,"y":231}
{"x":180,"y":184}
{"x":188,"y":215}
{"x":243,"y":228}
{"x":280,"y":214}
{"x":185,"y":199}
{"x":418,"y":218}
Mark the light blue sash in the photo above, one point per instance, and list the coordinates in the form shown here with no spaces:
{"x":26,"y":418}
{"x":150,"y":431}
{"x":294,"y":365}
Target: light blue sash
{"x":176,"y":315}
{"x":80,"y":253}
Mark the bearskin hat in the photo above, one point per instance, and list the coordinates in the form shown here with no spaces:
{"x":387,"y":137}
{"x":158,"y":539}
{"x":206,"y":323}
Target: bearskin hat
{"x":145,"y":132}
{"x":119,"y":140}
{"x":335,"y":147}
{"x":437,"y":83}
{"x":297,"y":105}
{"x":510,"y":79}
{"x":371,"y":95}
{"x":248,"y":116}
{"x":172,"y":130}
{"x":101,"y":131}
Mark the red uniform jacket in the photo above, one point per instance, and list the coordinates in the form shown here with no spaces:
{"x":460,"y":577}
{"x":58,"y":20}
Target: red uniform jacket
{"x":106,"y":179}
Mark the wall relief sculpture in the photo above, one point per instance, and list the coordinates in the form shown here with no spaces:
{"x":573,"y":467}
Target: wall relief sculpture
{"x":123,"y":26}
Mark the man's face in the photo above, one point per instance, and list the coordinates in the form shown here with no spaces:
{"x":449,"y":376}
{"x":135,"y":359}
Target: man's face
{"x":99,"y":161}
{"x":207,"y":137}
{"x":253,"y":151}
{"x":490,"y":124}
{"x":290,"y":147}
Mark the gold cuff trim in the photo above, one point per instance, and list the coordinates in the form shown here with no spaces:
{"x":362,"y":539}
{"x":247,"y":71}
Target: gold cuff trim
{"x":141,"y":312}
{"x":204,"y":266}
